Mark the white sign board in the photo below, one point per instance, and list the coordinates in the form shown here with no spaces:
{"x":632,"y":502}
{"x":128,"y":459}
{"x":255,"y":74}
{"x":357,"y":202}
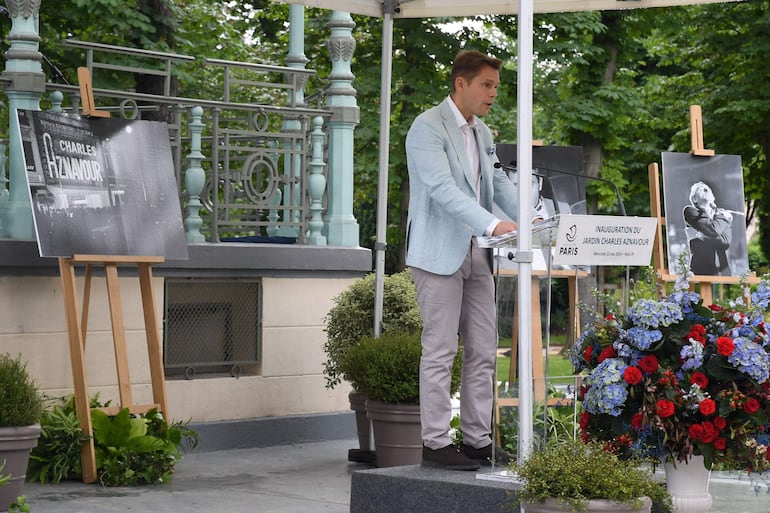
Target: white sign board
{"x":604,"y":240}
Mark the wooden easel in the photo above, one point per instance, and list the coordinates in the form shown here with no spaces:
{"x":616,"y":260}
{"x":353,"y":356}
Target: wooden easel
{"x":77,"y":326}
{"x":658,"y":254}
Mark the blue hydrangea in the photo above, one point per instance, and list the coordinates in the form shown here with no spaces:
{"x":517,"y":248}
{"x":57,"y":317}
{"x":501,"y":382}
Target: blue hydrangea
{"x":650,"y":314}
{"x":643,"y":338}
{"x":751,"y":359}
{"x":608,"y":391}
{"x":692,"y":355}
{"x":760,"y":298}
{"x":686,"y":298}
{"x":624,"y":350}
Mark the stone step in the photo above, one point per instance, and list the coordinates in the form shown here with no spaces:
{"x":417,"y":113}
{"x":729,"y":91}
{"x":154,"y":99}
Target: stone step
{"x":413,"y":488}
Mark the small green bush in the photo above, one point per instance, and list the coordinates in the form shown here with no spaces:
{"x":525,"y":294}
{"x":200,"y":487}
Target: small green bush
{"x":20,"y":401}
{"x":352,"y":317}
{"x":387,"y":368}
{"x":573,"y":473}
{"x":130,"y":449}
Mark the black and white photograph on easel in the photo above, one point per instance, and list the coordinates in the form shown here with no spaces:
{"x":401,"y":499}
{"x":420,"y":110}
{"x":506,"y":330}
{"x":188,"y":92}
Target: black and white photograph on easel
{"x":101,"y":186}
{"x":705,"y":213}
{"x":558,"y":187}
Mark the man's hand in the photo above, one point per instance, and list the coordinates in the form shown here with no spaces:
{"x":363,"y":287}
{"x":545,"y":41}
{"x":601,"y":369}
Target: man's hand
{"x":505,"y":227}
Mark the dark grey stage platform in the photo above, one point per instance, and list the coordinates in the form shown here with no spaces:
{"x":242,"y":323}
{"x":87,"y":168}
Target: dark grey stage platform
{"x":415,"y":489}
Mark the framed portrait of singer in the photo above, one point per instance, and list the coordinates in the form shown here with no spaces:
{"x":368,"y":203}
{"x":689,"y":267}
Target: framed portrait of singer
{"x":705,"y":213}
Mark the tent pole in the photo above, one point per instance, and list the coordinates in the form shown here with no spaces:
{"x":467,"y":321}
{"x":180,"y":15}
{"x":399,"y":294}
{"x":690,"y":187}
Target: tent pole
{"x":524,"y":248}
{"x":382,"y":184}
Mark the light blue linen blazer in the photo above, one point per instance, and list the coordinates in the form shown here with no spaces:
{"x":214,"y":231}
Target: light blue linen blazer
{"x":443,"y":212}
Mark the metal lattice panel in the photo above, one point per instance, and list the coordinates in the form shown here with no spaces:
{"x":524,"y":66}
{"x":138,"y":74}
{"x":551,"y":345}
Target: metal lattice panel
{"x":211,"y":325}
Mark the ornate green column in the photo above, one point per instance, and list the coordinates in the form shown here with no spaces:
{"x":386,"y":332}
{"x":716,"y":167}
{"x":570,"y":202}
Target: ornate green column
{"x":342,"y":227}
{"x":27,"y":85}
{"x":292,"y":167}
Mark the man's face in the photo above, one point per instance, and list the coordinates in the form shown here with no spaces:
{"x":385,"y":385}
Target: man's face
{"x":475,"y":97}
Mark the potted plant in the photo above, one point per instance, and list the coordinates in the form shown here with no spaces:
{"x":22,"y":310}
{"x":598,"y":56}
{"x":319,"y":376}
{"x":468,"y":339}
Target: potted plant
{"x":352,"y":318}
{"x":681,"y":381}
{"x":577,"y":477}
{"x":21,"y":406}
{"x":387,"y":371}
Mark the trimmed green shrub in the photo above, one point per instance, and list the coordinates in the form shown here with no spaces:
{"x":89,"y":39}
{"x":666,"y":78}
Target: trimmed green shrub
{"x":352,"y":317}
{"x":387,"y":368}
{"x":20,"y":401}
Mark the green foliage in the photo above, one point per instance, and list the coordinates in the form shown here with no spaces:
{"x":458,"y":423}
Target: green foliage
{"x":553,"y":423}
{"x":20,"y":401}
{"x":133,"y":450}
{"x":20,"y":505}
{"x":573,"y":472}
{"x":130,"y":449}
{"x":57,"y":454}
{"x":352,"y":317}
{"x":4,"y":478}
{"x":388,"y":368}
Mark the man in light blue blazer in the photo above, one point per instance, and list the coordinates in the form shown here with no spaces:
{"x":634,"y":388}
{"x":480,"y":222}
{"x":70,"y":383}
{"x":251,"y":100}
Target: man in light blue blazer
{"x":452,"y":185}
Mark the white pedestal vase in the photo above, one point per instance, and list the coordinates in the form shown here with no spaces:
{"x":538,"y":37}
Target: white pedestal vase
{"x":688,"y":485}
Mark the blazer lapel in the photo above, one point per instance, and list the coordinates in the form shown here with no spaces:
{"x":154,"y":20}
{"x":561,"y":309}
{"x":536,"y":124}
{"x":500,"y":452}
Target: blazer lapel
{"x":458,"y":143}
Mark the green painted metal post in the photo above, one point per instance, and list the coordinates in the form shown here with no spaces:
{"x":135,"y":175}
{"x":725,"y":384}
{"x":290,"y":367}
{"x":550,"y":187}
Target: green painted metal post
{"x":292,"y":165}
{"x":342,"y":227}
{"x":27,"y":84}
{"x":195,"y":179}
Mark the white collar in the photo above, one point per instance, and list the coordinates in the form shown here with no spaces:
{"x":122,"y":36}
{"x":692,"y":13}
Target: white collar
{"x":461,"y":121}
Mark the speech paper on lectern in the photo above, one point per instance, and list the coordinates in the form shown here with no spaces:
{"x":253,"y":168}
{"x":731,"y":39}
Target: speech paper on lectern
{"x":604,"y":240}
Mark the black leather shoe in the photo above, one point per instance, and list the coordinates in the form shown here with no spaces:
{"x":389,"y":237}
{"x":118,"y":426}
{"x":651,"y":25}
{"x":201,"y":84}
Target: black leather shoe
{"x":484,"y":455}
{"x":448,"y":457}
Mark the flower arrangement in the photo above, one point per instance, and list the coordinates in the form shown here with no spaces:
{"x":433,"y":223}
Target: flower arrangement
{"x":674,"y":377}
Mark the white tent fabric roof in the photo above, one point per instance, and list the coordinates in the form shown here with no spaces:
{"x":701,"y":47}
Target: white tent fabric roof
{"x":451,"y":8}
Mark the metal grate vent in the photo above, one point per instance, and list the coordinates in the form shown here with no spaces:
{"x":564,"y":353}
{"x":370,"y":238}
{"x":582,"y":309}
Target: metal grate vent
{"x":211,"y":326}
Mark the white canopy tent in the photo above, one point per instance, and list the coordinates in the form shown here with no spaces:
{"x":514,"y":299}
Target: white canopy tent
{"x":390,"y":9}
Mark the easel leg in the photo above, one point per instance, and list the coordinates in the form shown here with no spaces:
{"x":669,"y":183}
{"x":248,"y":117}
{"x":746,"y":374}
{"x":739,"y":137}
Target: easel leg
{"x":153,"y":339}
{"x":77,"y":357}
{"x":118,"y":334}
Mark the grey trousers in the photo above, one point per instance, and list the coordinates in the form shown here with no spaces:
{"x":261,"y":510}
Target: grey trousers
{"x":461,"y":303}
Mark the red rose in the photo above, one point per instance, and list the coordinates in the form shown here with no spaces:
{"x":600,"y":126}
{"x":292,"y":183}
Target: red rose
{"x":710,"y":432}
{"x":608,"y":352}
{"x":664,"y":408}
{"x":725,"y":346}
{"x":720,"y":444}
{"x":632,"y":375}
{"x":587,"y":355}
{"x":700,"y":379}
{"x":719,"y":422}
{"x":716,"y":308}
{"x":707,"y":407}
{"x":696,"y":432}
{"x":585,"y":418}
{"x":649,"y":363}
{"x":636,"y":421}
{"x":698,"y":333}
{"x":751,"y":406}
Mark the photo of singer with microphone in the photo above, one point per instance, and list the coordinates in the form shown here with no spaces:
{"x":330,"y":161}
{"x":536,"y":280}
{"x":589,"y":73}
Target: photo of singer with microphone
{"x":709,"y":232}
{"x":705,"y":214}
